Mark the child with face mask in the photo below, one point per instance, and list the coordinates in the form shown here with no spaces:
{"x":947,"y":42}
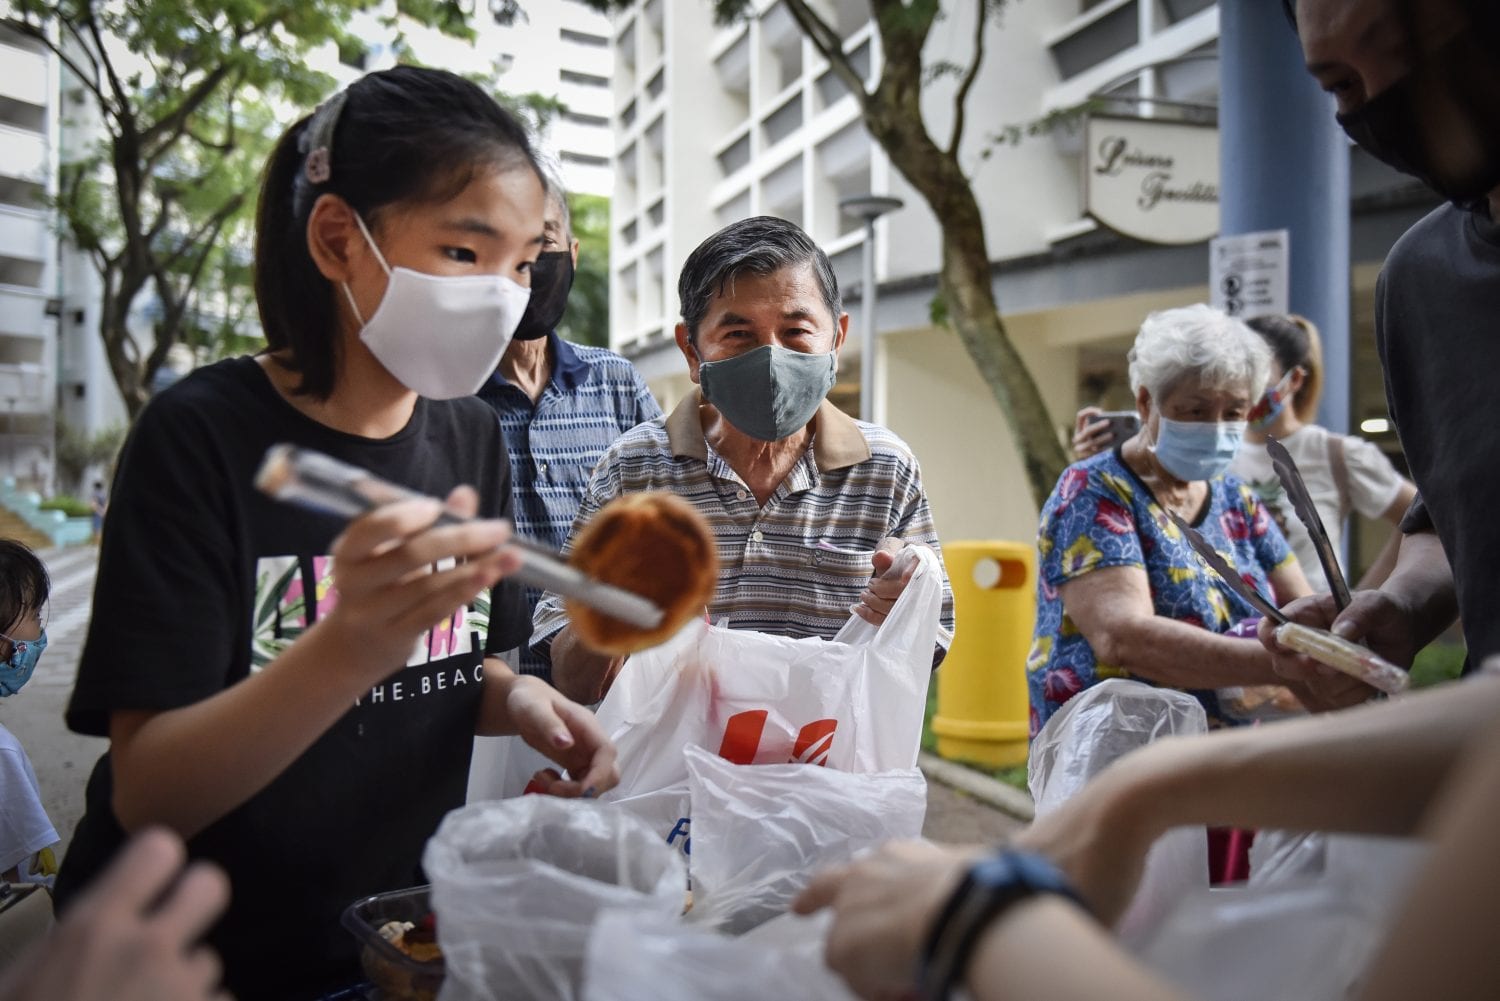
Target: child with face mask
{"x":1343,"y":473}
{"x":26,"y":834}
{"x":296,"y":697}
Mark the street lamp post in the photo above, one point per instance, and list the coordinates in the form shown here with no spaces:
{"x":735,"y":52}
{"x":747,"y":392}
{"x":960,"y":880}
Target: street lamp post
{"x":869,"y":208}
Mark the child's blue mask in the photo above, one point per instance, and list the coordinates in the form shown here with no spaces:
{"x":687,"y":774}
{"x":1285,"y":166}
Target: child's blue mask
{"x":24,"y":654}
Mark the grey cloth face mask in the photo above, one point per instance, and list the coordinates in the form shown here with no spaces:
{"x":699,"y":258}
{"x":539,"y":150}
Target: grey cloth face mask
{"x":771,"y":392}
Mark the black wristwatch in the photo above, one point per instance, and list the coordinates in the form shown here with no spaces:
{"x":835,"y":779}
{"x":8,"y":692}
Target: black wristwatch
{"x":990,"y":887}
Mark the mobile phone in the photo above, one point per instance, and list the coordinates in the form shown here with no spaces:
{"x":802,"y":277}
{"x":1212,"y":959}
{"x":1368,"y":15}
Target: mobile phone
{"x":1122,"y":424}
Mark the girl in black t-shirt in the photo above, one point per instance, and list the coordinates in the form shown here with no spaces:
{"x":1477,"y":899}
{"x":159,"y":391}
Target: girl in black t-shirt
{"x":294,"y":696}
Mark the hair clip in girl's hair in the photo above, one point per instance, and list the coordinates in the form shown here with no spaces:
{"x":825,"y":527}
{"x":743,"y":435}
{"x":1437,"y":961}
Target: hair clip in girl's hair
{"x":317,"y":167}
{"x":317,"y":141}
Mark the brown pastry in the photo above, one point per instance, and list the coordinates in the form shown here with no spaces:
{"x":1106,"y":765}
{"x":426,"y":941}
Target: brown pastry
{"x":657,"y":545}
{"x":416,"y":977}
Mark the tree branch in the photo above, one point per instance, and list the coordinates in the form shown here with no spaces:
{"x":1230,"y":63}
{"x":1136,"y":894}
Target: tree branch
{"x":206,"y":233}
{"x":961,"y":99}
{"x":167,"y":129}
{"x":35,"y":32}
{"x":122,"y":99}
{"x":830,"y":47}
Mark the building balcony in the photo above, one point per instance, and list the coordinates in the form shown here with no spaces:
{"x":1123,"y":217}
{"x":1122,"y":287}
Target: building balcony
{"x":25,"y":78}
{"x":1104,"y":30}
{"x":23,"y":158}
{"x":24,"y":235}
{"x":24,"y":388}
{"x":1196,"y":32}
{"x":23,"y":312}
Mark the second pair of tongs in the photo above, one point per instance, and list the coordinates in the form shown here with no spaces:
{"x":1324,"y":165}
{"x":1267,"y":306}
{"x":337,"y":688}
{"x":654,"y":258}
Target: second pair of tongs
{"x":1296,"y":492}
{"x":1319,"y":644}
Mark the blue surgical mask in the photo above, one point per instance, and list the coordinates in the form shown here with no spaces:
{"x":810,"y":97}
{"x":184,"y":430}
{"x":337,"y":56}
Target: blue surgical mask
{"x":23,"y":657}
{"x":1198,"y":450}
{"x":771,"y":392}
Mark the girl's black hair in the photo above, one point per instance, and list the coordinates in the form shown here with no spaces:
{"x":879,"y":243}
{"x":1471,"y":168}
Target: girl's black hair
{"x":24,"y":584}
{"x":404,"y":134}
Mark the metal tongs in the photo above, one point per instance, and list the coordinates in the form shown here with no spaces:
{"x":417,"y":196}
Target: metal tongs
{"x":323,"y":483}
{"x":1319,"y":644}
{"x":1296,"y":492}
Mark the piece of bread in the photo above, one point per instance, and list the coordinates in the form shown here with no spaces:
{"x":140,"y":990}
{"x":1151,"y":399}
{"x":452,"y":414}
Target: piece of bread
{"x":656,"y":545}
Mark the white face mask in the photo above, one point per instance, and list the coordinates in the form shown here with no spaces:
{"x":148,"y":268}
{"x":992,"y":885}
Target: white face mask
{"x":441,"y":337}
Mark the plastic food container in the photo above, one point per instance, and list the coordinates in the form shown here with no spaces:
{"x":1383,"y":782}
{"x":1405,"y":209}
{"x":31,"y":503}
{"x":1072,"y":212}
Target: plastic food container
{"x":394,"y":974}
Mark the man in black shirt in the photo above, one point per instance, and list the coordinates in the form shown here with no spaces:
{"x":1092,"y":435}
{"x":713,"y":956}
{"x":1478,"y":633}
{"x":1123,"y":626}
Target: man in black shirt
{"x":1418,"y":86}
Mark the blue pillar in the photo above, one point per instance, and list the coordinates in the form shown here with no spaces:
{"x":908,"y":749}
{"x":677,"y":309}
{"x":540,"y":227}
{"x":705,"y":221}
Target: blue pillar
{"x":1285,"y":165}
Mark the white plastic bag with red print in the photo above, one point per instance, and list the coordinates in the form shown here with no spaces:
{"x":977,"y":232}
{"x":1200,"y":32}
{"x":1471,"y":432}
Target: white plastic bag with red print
{"x":853,"y":703}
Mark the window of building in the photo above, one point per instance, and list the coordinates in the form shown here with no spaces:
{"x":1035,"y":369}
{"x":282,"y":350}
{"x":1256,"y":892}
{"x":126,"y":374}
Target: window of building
{"x":583,"y":38}
{"x":583,"y":159}
{"x":579,"y":118}
{"x":584,"y":79}
{"x":784,"y":120}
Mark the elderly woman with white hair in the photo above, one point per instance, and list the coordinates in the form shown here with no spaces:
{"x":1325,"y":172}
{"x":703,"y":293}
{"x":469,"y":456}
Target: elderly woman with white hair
{"x":1120,"y":592}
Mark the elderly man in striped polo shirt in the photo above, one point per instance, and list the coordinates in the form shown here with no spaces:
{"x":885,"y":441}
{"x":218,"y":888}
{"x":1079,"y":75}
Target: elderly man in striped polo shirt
{"x":808,"y":505}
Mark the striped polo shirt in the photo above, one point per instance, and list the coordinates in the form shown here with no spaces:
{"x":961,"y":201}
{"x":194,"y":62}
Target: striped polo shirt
{"x":791,"y":568}
{"x":594,"y":396}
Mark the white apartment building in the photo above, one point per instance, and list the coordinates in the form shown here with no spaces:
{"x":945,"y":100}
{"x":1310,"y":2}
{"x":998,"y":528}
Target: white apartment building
{"x":717,"y":123}
{"x":558,"y":48}
{"x":28,"y":258}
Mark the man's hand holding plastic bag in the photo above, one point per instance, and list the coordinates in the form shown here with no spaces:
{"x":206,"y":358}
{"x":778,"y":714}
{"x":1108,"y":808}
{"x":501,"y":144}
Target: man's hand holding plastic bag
{"x":894,"y":562}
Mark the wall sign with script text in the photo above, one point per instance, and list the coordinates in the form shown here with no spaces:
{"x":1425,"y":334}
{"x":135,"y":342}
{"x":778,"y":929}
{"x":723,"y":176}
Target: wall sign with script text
{"x":1153,"y":180}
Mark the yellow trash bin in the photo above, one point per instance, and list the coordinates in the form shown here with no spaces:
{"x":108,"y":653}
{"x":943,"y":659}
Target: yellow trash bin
{"x":982,"y":703}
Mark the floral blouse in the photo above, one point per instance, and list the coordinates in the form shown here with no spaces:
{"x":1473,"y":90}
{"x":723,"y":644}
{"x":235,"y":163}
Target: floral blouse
{"x":1102,"y":515}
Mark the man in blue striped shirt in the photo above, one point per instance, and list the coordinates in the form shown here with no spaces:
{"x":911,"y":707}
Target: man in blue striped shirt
{"x":560,"y":404}
{"x":810,"y":508}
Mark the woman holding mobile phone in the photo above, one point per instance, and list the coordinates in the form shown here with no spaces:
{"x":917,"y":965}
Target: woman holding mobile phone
{"x":296,"y":697}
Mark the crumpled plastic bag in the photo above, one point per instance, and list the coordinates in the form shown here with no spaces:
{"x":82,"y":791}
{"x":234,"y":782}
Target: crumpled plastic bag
{"x":517,"y":884}
{"x":760,"y":832}
{"x":1093,"y":729}
{"x":630,"y":959}
{"x":1308,"y":930}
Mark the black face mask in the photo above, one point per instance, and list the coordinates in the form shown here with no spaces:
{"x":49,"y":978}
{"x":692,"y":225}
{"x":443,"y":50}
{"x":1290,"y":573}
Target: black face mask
{"x":551,"y":280}
{"x":1441,"y":122}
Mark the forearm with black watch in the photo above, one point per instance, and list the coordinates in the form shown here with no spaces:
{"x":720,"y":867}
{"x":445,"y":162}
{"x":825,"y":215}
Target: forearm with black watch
{"x":990,"y":887}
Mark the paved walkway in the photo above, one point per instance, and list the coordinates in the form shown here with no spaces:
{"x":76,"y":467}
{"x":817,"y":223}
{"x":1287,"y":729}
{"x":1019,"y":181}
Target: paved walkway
{"x":63,"y":759}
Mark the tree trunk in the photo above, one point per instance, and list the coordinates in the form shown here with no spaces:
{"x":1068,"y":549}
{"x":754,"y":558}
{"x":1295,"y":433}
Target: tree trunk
{"x":965,"y":285}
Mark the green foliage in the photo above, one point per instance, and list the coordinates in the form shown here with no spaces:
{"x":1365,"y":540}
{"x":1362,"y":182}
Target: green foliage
{"x":68,"y":505}
{"x":587,"y":318}
{"x":937,"y":310}
{"x":1436,"y":663}
{"x":1068,"y":119}
{"x":77,"y":451}
{"x":186,"y":100}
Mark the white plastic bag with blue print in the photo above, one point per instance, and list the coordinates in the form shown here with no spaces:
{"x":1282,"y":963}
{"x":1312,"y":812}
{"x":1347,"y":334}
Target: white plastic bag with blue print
{"x":1093,"y":729}
{"x":854,"y":703}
